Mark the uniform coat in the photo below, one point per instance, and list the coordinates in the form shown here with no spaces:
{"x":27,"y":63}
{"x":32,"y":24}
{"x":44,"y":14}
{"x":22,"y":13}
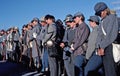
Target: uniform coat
{"x":81,"y":35}
{"x":35,"y":43}
{"x":104,"y":40}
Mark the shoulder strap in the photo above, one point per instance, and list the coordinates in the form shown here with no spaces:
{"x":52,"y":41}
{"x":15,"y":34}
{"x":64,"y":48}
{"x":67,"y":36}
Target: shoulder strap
{"x":103,"y":28}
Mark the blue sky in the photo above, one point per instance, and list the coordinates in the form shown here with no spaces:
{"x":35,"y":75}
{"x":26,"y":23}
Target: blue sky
{"x":20,"y":12}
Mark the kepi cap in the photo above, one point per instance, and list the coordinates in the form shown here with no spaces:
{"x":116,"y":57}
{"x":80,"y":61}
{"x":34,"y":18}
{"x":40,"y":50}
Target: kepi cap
{"x":69,"y":18}
{"x":42,"y":19}
{"x":100,"y":6}
{"x":94,"y":18}
{"x":35,"y":19}
{"x":78,"y":14}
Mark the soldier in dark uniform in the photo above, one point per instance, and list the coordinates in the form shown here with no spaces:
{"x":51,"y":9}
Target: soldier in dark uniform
{"x":59,"y":38}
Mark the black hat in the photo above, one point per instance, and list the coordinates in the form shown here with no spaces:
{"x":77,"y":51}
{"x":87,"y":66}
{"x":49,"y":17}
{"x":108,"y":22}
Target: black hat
{"x":58,"y":21}
{"x":94,"y":18}
{"x":100,"y":6}
{"x":69,"y":18}
{"x":48,"y":16}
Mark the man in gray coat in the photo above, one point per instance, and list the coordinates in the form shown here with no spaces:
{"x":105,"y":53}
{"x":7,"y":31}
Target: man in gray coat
{"x":94,"y":61}
{"x":2,"y":44}
{"x":48,"y":41}
{"x":67,"y":41}
{"x":106,"y":36}
{"x":35,"y":42}
{"x":44,"y":49}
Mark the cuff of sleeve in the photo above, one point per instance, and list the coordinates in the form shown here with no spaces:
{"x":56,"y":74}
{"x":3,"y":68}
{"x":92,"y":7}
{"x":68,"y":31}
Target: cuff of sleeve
{"x":102,"y":47}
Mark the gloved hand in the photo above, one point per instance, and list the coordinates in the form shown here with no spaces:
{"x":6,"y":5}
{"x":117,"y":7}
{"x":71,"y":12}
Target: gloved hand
{"x":34,"y":35}
{"x":67,"y":53}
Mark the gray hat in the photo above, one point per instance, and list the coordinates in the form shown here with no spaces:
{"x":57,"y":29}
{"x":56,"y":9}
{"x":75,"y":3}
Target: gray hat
{"x":15,"y":27}
{"x":69,"y":18}
{"x":94,"y":18}
{"x":78,"y":14}
{"x":100,"y":6}
{"x":35,"y":19}
{"x":42,"y":19}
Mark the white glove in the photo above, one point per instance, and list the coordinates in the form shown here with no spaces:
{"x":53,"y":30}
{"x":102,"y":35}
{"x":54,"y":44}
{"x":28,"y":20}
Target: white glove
{"x":72,"y":48}
{"x":34,"y":35}
{"x":31,"y":44}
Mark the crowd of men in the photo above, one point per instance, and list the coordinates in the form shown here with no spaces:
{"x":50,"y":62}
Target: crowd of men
{"x":45,"y":44}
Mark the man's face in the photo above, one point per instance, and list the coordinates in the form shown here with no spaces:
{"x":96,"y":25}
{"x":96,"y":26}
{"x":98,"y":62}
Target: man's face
{"x":68,"y":24}
{"x":2,"y":32}
{"x":48,"y":21}
{"x":24,"y":28}
{"x":73,"y":24}
{"x":29,"y":27}
{"x":103,"y":14}
{"x":34,"y":23}
{"x":91,"y":23}
{"x":77,"y":19}
{"x":43,"y":23}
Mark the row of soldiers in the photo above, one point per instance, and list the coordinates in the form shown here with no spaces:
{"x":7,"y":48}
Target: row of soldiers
{"x":48,"y":45}
{"x":9,"y":42}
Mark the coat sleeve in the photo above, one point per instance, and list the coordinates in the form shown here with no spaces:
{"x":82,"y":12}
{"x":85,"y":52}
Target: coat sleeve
{"x":65,"y":36}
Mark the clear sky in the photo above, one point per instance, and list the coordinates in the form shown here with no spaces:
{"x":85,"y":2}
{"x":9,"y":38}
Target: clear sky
{"x":20,"y":12}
